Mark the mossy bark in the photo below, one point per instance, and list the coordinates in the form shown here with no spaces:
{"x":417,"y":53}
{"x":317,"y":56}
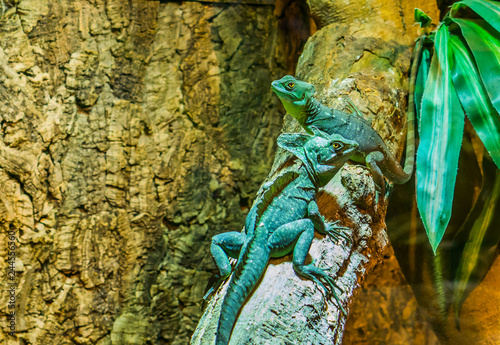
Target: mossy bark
{"x":131,"y":133}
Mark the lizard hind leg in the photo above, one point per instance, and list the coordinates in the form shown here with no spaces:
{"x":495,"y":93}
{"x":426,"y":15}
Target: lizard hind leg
{"x":373,"y":160}
{"x":298,"y":235}
{"x":317,"y":274}
{"x":224,"y":246}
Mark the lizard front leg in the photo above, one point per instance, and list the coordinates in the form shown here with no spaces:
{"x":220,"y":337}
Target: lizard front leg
{"x":331,"y":229}
{"x":373,"y":161}
{"x":298,"y":235}
{"x":224,"y":246}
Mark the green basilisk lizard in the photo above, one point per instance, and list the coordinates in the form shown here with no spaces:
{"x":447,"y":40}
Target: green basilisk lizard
{"x":282,"y":220}
{"x":297,"y":98}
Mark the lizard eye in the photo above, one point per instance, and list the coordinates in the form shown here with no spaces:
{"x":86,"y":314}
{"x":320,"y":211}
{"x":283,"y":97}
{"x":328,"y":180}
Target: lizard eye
{"x":290,"y":85}
{"x":336,"y":145}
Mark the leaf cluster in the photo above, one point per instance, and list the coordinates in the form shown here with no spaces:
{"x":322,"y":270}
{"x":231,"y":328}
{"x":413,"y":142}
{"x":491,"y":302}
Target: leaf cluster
{"x":458,"y":86}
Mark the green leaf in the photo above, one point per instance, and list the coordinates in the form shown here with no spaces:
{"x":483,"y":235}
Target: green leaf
{"x":423,"y":72}
{"x":422,"y":18}
{"x":479,"y":237}
{"x":442,"y":123}
{"x":488,"y":10}
{"x":474,"y":98}
{"x":486,"y":50}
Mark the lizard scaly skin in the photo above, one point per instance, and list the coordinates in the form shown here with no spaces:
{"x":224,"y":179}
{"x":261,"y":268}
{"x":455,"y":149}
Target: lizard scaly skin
{"x":281,"y":221}
{"x":297,"y":98}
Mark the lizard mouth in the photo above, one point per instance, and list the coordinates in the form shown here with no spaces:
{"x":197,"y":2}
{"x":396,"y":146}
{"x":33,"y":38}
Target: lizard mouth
{"x":327,"y":160}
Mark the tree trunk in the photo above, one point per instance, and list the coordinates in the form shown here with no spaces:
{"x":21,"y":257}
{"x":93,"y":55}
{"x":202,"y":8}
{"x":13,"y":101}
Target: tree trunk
{"x":361,"y":51}
{"x":385,"y":310}
{"x":131,"y":133}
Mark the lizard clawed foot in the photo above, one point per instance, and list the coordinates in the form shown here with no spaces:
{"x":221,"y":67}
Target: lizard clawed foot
{"x":317,"y":274}
{"x":352,"y":108}
{"x":383,"y":193}
{"x":335,"y":231}
{"x":388,"y":189}
{"x":218,"y":282}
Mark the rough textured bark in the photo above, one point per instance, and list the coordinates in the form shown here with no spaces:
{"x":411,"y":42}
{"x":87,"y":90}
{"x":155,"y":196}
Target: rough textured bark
{"x":386,"y":312}
{"x":362,"y":51}
{"x":131,"y":133}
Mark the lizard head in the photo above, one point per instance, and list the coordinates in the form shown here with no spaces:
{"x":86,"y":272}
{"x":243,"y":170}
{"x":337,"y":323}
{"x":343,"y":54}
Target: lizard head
{"x":322,"y":154}
{"x":293,"y":93}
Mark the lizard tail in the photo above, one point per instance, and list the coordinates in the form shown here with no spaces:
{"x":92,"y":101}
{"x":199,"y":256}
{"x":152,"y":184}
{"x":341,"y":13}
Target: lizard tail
{"x":410,"y":113}
{"x":247,"y":273}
